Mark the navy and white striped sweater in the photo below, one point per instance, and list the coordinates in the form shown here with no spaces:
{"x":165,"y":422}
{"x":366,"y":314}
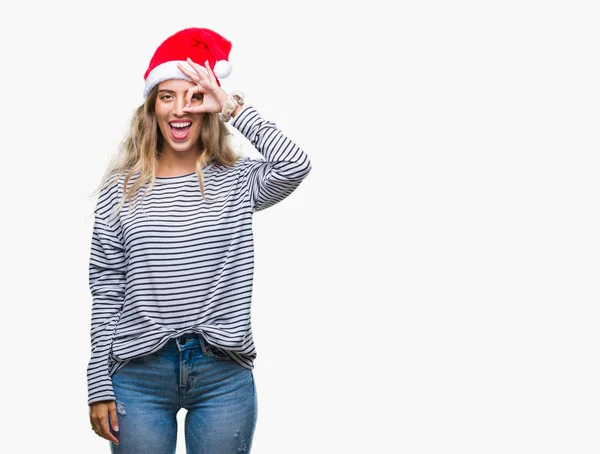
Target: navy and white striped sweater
{"x":181,"y":263}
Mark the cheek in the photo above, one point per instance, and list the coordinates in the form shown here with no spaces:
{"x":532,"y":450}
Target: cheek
{"x":198,"y":124}
{"x":161,"y":119}
{"x":163,"y":127}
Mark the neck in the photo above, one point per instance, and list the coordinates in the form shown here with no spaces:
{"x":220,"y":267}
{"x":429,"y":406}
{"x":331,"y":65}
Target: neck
{"x":174,"y":164}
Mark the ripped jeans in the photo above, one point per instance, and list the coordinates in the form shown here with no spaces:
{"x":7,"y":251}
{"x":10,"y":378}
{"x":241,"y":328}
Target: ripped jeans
{"x":218,"y":394}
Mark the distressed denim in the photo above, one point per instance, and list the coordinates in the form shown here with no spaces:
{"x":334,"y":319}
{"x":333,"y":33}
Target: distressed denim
{"x":218,"y":394}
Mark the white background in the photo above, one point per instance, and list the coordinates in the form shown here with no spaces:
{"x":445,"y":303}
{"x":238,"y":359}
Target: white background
{"x":431,"y":287}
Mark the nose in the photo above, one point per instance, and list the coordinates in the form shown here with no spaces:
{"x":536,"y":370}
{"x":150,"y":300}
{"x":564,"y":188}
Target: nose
{"x":178,"y":106}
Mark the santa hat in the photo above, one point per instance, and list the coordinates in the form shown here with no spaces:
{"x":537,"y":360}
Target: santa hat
{"x":199,"y":44}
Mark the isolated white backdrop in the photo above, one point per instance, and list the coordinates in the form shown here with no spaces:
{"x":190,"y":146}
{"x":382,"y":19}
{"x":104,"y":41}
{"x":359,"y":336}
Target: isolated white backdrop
{"x":432,"y":286}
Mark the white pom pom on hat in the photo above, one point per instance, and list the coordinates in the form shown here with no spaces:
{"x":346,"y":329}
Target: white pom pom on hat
{"x":199,"y":44}
{"x":222,"y":69}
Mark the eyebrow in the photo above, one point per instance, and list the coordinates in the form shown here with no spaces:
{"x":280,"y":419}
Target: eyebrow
{"x":174,"y":92}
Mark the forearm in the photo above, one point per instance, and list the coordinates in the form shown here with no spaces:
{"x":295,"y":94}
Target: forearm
{"x":288,"y":159}
{"x":107,"y":286}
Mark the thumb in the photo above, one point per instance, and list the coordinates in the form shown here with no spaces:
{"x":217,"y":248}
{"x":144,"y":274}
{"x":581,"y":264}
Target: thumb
{"x":114,"y":420}
{"x":190,"y":93}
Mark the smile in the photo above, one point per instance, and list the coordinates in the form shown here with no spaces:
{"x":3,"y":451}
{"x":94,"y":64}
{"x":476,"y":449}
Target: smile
{"x":180,"y":129}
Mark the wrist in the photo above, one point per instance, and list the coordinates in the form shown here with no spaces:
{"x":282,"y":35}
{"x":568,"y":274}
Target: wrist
{"x":232,"y":106}
{"x":237,"y":110}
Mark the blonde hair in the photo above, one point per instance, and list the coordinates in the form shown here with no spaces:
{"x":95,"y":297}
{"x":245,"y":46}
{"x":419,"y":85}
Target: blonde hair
{"x":139,"y":151}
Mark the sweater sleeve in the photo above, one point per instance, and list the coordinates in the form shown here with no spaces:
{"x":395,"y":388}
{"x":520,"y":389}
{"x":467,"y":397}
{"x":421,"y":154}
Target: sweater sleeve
{"x":107,"y":285}
{"x":285,"y":165}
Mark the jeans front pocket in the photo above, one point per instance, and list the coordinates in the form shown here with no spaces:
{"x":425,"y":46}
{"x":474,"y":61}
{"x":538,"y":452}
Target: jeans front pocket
{"x":215,"y":352}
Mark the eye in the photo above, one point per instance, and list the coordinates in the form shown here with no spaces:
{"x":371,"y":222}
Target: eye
{"x":198,"y":97}
{"x":165,"y":97}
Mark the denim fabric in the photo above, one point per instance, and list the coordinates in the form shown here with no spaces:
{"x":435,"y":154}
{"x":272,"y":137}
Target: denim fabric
{"x":218,"y":394}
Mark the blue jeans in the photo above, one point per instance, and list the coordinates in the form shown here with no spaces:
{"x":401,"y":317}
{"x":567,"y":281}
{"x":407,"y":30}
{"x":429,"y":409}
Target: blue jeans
{"x":218,"y":394}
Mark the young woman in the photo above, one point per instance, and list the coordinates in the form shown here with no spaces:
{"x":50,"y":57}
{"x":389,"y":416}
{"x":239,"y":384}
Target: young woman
{"x":171,"y":263}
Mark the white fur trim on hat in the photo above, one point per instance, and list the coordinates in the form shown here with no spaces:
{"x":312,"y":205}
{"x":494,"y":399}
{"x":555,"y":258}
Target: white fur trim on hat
{"x":166,"y":71}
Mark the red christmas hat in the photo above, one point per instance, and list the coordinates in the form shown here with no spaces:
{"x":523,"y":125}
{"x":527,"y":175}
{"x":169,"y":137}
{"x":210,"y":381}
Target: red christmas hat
{"x":199,"y":44}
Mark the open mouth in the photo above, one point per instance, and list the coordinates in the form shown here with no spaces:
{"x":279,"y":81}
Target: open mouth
{"x":180,"y":129}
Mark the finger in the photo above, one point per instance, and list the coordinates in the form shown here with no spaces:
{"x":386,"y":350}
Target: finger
{"x":105,"y":432}
{"x":194,"y":108}
{"x":191,"y":74}
{"x":211,"y":74}
{"x":96,"y":427}
{"x":114,"y":419}
{"x":190,"y":94}
{"x":96,"y":421}
{"x":202,"y":72}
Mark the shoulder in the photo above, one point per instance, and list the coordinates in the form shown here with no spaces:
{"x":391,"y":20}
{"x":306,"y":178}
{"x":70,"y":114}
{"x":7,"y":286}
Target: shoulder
{"x":110,"y":193}
{"x":241,"y":165}
{"x":111,"y":185}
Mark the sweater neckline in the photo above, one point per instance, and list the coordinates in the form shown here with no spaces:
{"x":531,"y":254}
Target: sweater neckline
{"x":181,"y":177}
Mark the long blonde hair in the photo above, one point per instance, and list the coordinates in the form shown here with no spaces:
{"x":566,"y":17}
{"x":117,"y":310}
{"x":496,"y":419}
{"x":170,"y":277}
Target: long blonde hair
{"x":139,"y":151}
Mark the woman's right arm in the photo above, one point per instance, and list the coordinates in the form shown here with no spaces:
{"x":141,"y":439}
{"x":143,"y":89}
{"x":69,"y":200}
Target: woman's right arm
{"x":107,"y":270}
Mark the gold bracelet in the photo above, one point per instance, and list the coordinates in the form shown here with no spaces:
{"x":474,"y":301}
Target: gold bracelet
{"x":235,"y":98}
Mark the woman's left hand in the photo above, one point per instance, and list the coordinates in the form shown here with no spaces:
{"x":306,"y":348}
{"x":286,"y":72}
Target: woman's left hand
{"x":214,"y":96}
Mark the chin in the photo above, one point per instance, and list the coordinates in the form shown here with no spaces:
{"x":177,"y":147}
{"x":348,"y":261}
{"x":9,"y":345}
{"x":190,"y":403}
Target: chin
{"x":181,"y":147}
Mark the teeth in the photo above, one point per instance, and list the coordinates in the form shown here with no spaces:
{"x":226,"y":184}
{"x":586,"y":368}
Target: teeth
{"x":181,"y":125}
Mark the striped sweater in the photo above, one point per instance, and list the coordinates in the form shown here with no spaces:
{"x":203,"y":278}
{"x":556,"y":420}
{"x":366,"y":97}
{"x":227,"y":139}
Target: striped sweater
{"x":178,"y":263}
